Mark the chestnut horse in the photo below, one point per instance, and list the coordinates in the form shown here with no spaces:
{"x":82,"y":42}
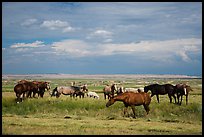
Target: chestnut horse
{"x":132,"y":99}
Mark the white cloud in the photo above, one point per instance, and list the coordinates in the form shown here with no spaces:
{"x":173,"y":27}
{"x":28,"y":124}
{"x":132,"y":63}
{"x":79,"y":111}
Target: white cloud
{"x":108,"y":40}
{"x":29,"y":22}
{"x":28,"y":45}
{"x":54,"y":24}
{"x":74,"y":48}
{"x":68,"y":29}
{"x":100,"y":33}
{"x":57,"y":25}
{"x":161,"y":51}
{"x":151,"y":50}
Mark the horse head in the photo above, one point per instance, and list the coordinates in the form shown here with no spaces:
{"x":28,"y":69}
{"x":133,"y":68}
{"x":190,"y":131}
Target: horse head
{"x":84,"y":88}
{"x":54,"y":92}
{"x":114,"y":87}
{"x":146,"y":89}
{"x":47,"y":85}
{"x":110,"y":102}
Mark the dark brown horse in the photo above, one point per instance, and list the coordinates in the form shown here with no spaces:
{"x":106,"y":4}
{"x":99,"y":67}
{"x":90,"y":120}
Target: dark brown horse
{"x":109,"y":90}
{"x":42,"y":85}
{"x":157,"y":90}
{"x":132,"y":99}
{"x":24,"y":88}
{"x":182,"y":89}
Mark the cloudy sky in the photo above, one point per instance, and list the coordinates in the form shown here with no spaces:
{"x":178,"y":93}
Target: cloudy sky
{"x":102,"y":38}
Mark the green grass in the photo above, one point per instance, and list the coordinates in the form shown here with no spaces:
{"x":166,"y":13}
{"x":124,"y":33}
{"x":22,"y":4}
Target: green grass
{"x":88,"y":116}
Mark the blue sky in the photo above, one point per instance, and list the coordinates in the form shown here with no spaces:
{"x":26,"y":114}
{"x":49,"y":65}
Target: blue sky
{"x":102,"y":38}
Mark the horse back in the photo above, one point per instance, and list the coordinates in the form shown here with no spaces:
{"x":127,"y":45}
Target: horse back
{"x":106,"y":89}
{"x":138,"y":98}
{"x":65,"y":90}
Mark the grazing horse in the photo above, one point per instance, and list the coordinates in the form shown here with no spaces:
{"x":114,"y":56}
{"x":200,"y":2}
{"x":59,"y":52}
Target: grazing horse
{"x":92,"y":94}
{"x":157,"y":90}
{"x":42,"y":86}
{"x":132,"y":99}
{"x":81,"y":92}
{"x":24,"y":88}
{"x":109,"y":90}
{"x":70,"y":90}
{"x":182,"y":89}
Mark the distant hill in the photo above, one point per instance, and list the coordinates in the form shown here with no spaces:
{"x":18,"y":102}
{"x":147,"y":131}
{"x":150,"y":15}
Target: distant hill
{"x":94,"y":76}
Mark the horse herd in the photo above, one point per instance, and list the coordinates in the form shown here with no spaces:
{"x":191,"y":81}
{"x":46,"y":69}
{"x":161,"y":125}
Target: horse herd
{"x":129,"y":96}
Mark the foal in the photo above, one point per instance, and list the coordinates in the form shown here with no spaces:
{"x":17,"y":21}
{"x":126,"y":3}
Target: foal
{"x":132,"y":99}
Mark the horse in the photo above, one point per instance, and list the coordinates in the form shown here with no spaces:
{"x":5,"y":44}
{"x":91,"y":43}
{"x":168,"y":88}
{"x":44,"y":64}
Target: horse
{"x":132,"y":99}
{"x":109,"y":90}
{"x":157,"y":90}
{"x":42,"y":86}
{"x":24,"y":88}
{"x":120,"y":90}
{"x":81,"y":92}
{"x":182,"y":89}
{"x":92,"y":94}
{"x":136,"y":90}
{"x":70,"y":90}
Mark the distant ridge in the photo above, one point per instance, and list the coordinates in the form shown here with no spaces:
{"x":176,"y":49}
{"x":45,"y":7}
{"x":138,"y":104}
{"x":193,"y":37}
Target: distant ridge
{"x":91,"y":76}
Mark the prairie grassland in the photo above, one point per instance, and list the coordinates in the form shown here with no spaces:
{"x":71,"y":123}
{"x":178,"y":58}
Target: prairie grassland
{"x":88,"y":116}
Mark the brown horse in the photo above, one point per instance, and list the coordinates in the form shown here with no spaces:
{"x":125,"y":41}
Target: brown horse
{"x":42,"y":86}
{"x":109,"y":90}
{"x":182,"y":89}
{"x":132,"y":99}
{"x":24,"y":88}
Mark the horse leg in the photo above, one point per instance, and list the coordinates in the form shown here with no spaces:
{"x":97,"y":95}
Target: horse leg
{"x":133,"y":110}
{"x":157,"y":98}
{"x":125,"y":110}
{"x":187,"y":99}
{"x":146,"y":107}
{"x":174,"y":98}
{"x":28,"y":93}
{"x":181,"y":99}
{"x":178,"y":96}
{"x":170,"y":98}
{"x":104,"y":96}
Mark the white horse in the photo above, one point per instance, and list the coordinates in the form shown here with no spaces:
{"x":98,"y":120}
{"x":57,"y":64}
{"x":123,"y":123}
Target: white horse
{"x":136,"y":90}
{"x":92,"y":94}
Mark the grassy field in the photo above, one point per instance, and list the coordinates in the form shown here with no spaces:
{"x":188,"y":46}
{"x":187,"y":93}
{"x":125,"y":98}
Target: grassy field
{"x":88,"y":116}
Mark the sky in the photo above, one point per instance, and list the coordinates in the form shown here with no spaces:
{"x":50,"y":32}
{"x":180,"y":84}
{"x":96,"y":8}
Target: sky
{"x":102,"y":38}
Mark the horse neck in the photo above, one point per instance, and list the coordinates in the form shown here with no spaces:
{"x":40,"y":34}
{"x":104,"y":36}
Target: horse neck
{"x":120,"y":97}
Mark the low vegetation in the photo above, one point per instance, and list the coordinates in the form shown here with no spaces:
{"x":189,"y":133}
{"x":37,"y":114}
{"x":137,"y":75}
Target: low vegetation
{"x":89,"y":116}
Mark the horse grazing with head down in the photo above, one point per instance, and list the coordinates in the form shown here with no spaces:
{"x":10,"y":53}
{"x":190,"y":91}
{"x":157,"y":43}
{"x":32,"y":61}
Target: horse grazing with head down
{"x":42,"y":85}
{"x":132,"y":99}
{"x":109,"y":90}
{"x":182,"y":89}
{"x":157,"y":90}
